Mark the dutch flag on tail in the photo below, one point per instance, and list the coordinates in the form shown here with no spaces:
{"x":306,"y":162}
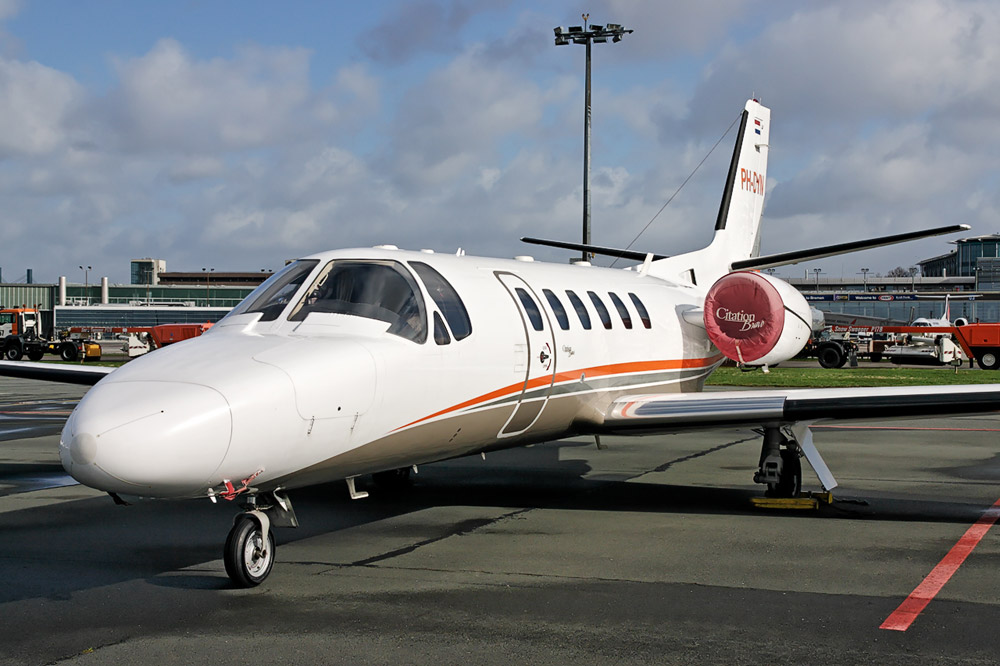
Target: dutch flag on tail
{"x":757,"y":125}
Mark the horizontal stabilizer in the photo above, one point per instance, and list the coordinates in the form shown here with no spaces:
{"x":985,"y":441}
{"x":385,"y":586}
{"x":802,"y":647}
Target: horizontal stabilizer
{"x":594,"y":249}
{"x":786,"y":258}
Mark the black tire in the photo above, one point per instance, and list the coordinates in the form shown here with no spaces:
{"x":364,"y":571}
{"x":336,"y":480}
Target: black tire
{"x":68,"y":351}
{"x":831,"y":356}
{"x":875,"y":358}
{"x":36,"y":354}
{"x":246,"y":562}
{"x":988,"y":359}
{"x":13,"y":351}
{"x":790,"y":483}
{"x":393,"y":480}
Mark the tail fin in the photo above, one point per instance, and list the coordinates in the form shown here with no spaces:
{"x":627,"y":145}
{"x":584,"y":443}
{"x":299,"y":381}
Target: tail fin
{"x":737,"y":227}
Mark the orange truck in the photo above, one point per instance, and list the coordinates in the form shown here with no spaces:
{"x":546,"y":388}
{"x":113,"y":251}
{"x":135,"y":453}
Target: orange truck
{"x":144,"y":340}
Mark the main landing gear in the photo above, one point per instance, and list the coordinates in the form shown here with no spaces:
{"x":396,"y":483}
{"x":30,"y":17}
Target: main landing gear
{"x":779,"y":467}
{"x":249,"y":551}
{"x":781,"y":454}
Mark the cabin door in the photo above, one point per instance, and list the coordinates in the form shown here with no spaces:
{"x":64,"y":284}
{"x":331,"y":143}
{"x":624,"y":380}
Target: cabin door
{"x":535,"y":355}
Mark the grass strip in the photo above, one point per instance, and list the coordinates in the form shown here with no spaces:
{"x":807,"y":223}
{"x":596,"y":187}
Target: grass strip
{"x":832,"y":378}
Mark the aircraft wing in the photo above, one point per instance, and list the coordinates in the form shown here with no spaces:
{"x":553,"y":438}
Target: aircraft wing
{"x":55,"y":372}
{"x":654,"y":413}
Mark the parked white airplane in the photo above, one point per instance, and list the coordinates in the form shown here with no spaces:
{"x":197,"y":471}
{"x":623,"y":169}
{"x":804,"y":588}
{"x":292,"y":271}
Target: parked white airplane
{"x":372,"y":361}
{"x":943,"y":320}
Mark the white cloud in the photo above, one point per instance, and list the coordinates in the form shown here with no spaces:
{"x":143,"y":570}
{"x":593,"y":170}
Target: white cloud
{"x":36,"y":105}
{"x":845,"y":62}
{"x":167,"y":100}
{"x":9,"y":8}
{"x":448,"y":124}
{"x":666,"y":29}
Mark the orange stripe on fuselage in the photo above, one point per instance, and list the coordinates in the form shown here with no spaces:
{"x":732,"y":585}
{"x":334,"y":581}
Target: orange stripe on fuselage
{"x":634,"y":367}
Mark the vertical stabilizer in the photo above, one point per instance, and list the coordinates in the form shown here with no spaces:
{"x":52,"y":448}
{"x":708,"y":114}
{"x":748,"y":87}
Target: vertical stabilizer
{"x":737,"y":225}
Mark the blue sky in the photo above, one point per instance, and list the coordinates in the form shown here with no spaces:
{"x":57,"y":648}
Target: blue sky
{"x":240,"y":134}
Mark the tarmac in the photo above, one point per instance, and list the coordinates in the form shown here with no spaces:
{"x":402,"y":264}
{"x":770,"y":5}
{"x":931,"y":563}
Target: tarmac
{"x":648,"y":551}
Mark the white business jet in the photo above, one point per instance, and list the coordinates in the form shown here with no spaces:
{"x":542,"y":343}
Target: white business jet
{"x":944,"y":320}
{"x":372,"y":361}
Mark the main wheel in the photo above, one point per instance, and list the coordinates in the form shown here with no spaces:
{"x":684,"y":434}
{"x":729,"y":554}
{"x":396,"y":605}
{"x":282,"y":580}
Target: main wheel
{"x":831,"y":356}
{"x":989,"y":359}
{"x":248,"y":560}
{"x":68,"y":351}
{"x":36,"y":354}
{"x":790,"y":483}
{"x":14,"y":352}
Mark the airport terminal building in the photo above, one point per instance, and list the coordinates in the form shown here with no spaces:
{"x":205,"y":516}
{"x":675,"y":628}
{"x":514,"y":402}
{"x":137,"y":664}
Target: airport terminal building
{"x":159,"y":298}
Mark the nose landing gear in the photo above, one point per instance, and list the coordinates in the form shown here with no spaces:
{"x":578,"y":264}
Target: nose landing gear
{"x":249,"y":551}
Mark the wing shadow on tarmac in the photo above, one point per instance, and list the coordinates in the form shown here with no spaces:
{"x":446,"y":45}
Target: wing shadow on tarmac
{"x":56,"y":550}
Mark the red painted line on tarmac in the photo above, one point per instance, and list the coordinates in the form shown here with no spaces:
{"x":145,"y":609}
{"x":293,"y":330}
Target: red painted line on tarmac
{"x":845,"y":427}
{"x":923,"y":594}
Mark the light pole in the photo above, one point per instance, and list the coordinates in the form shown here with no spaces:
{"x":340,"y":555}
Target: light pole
{"x":817,"y":271}
{"x":86,"y":283}
{"x":584,"y":35}
{"x":208,"y":287}
{"x":864,"y":272}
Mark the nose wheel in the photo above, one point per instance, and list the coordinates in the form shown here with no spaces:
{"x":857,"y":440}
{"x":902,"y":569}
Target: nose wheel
{"x":249,"y":553}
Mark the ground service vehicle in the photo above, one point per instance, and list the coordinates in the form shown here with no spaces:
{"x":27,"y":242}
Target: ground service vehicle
{"x":978,"y":341}
{"x":837,"y":343}
{"x":20,"y":337}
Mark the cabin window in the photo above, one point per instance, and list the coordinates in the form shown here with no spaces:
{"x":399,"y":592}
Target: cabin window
{"x":380,"y":290}
{"x":641,"y":309}
{"x":271,"y":297}
{"x":622,"y":310}
{"x":446,"y":298}
{"x":581,"y":309}
{"x":602,"y":311}
{"x":557,"y":309}
{"x":441,"y":336}
{"x":531,"y":308}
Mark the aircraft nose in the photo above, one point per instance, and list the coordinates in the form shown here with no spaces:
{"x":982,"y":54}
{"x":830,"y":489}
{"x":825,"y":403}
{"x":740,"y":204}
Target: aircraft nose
{"x":157,"y":439}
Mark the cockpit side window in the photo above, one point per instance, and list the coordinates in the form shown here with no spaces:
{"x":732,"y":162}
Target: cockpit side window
{"x":441,"y":336}
{"x":446,"y":298}
{"x":273,"y":295}
{"x":380,"y":290}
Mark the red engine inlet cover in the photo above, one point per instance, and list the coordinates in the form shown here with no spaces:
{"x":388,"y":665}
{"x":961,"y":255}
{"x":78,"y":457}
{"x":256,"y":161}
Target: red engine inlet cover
{"x":744,"y":316}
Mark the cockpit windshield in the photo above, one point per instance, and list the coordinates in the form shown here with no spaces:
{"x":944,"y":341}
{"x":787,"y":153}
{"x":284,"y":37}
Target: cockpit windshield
{"x":271,"y":297}
{"x":381,"y":290}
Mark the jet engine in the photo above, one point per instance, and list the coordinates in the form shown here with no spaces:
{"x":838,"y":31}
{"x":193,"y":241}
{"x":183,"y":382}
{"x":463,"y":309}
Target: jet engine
{"x":756,"y":319}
